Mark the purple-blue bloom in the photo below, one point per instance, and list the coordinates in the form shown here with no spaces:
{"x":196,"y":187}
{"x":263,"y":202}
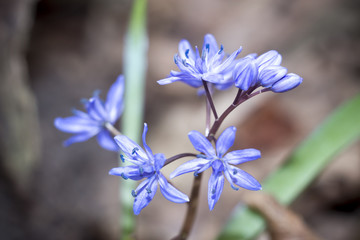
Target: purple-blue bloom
{"x":251,"y":72}
{"x":221,"y":163}
{"x":93,"y":122}
{"x":145,"y":165}
{"x":210,"y":66}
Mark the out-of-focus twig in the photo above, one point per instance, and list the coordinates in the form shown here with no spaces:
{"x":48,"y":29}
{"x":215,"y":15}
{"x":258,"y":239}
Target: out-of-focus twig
{"x":282,"y":223}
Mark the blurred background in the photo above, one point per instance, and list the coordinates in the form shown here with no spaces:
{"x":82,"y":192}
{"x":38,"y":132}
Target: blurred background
{"x":55,"y":52}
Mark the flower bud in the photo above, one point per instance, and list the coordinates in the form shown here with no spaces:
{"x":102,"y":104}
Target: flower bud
{"x":290,"y":81}
{"x":268,"y":76}
{"x":269,"y":58}
{"x":245,"y":73}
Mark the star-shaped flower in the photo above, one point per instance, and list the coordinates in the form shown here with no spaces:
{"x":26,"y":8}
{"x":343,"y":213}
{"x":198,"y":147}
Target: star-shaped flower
{"x":221,"y":163}
{"x":94,"y":121}
{"x":145,"y":165}
{"x":210,"y":66}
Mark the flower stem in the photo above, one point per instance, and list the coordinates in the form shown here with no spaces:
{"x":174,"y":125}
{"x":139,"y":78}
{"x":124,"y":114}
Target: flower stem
{"x":112,"y":129}
{"x":176,"y":157}
{"x":209,"y":98}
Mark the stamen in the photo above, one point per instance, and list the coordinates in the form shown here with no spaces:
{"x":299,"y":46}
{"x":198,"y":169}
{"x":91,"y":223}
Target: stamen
{"x":221,"y":49}
{"x":141,"y":170}
{"x":213,"y":191}
{"x":133,"y":193}
{"x":187,"y":53}
{"x":196,"y":173}
{"x":134,"y":150}
{"x":122,"y":158}
{"x":175,"y":59}
{"x":233,"y":187}
{"x":123,"y":176}
{"x":235,"y":171}
{"x":148,"y":190}
{"x":201,"y":156}
{"x":185,"y":63}
{"x":207,"y":46}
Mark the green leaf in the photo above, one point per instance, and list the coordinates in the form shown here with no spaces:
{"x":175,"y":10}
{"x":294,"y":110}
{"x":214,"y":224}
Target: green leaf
{"x":135,"y":65}
{"x":339,"y":130}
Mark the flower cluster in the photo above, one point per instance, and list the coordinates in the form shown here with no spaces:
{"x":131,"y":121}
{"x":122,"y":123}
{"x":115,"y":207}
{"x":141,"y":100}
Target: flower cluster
{"x":211,"y":68}
{"x":247,"y":73}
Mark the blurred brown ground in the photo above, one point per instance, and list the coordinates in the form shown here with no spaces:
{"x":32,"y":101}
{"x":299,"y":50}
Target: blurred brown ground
{"x":76,"y":47}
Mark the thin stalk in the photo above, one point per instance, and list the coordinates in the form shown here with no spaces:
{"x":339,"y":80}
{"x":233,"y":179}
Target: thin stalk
{"x":178,"y":156}
{"x":209,"y":98}
{"x":112,"y":129}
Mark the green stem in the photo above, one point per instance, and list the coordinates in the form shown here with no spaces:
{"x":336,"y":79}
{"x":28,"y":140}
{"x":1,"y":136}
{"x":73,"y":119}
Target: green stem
{"x":135,"y":65}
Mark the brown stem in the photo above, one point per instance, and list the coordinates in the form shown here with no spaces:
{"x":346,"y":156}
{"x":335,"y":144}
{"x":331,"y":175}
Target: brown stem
{"x":176,"y":157}
{"x":209,"y":98}
{"x":191,"y":210}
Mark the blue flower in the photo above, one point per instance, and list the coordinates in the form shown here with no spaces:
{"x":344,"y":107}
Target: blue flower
{"x":209,"y":67}
{"x":221,"y":164}
{"x":145,"y":165}
{"x":99,"y":114}
{"x":251,"y":72}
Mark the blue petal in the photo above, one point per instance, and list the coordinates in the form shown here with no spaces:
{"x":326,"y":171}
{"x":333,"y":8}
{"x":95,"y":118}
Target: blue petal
{"x":75,"y":124}
{"x":228,"y":62}
{"x":225,"y":141}
{"x":145,"y":193}
{"x":81,"y":137}
{"x":159,"y":161}
{"x":213,"y":78}
{"x":114,"y":101}
{"x":210,"y":45}
{"x":189,"y":166}
{"x":215,"y":187}
{"x":269,"y":75}
{"x":243,"y":179}
{"x":201,"y":144}
{"x":269,"y":58}
{"x":170,"y":192}
{"x":147,"y":148}
{"x":133,"y":172}
{"x":186,"y":51}
{"x":241,"y":156}
{"x":96,"y":110}
{"x":128,"y":146}
{"x":106,"y":141}
{"x":245,"y":73}
{"x":290,"y":81}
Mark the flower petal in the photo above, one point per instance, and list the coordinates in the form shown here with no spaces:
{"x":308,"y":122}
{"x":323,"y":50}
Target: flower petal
{"x":269,"y":58}
{"x":189,"y":166}
{"x":131,"y":149}
{"x":147,"y":148}
{"x":245,"y":73}
{"x":241,"y":156}
{"x":114,"y":100}
{"x":244,"y":179}
{"x":269,"y":75}
{"x":145,"y":194}
{"x":227,"y":63}
{"x":133,"y":172}
{"x":106,"y":141}
{"x":186,"y":51}
{"x":210,"y":45}
{"x":201,"y":144}
{"x":75,"y":124}
{"x":96,"y":110}
{"x":225,"y":141}
{"x":170,"y":192}
{"x":81,"y":137}
{"x":215,"y":187}
{"x":159,"y":161}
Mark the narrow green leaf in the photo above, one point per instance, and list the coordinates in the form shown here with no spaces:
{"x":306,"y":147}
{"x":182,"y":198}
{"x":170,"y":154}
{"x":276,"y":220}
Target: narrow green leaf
{"x":339,"y":130}
{"x":135,"y":65}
